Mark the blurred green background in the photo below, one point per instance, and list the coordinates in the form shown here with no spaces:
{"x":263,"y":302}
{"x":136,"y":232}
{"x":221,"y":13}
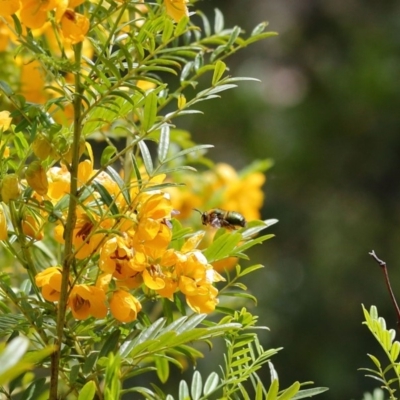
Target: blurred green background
{"x":326,"y":111}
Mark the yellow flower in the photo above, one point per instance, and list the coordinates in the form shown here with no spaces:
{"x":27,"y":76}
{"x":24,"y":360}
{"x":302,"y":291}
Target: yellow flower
{"x":8,"y":7}
{"x":4,"y":150}
{"x":153,"y":233}
{"x":204,"y":302}
{"x":59,"y":179}
{"x":50,"y":282}
{"x":3,"y":225}
{"x":117,"y":257}
{"x":196,"y":283}
{"x":5,"y":120}
{"x":242,"y":193}
{"x":33,"y":13}
{"x":176,"y":9}
{"x":145,"y":85}
{"x":86,"y":239}
{"x":87,"y":300}
{"x":36,"y":177}
{"x":32,"y":81}
{"x":59,"y":182}
{"x":4,"y":35}
{"x":153,"y":277}
{"x":74,"y":26}
{"x":124,"y":307}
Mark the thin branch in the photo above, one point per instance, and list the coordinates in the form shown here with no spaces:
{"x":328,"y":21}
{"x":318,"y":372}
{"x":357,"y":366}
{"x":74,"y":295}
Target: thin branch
{"x":69,"y":227}
{"x":383,"y":266}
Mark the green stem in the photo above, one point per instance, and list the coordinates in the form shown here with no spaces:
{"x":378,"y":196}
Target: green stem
{"x":69,"y":226}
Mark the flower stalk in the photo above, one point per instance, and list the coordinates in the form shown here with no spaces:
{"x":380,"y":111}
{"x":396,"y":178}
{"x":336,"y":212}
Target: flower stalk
{"x":70,"y":224}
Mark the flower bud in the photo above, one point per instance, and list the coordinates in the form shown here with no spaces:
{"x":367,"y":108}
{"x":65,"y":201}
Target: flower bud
{"x":3,"y":225}
{"x":10,"y":188}
{"x":41,"y":147}
{"x":36,"y":177}
{"x":31,"y":228}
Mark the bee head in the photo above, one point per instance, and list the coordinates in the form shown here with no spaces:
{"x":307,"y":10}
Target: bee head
{"x":203,"y":216}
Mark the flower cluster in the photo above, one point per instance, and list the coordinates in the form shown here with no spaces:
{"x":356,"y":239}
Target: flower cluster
{"x":133,"y":249}
{"x":220,"y":187}
{"x":138,"y":257}
{"x":37,"y":15}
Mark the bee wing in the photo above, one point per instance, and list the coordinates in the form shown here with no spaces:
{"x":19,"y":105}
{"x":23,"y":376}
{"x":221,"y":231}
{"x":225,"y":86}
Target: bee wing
{"x":216,"y":223}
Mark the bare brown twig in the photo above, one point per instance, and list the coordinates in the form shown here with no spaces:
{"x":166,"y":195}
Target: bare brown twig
{"x":383,"y":266}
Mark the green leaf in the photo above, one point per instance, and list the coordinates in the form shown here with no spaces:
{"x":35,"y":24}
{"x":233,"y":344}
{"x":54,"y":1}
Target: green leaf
{"x":146,"y":156}
{"x":17,"y":24}
{"x":309,"y":393}
{"x":13,"y":362}
{"x":222,"y":247}
{"x":124,"y":95}
{"x":107,"y":154}
{"x":217,"y":89}
{"x":191,"y":322}
{"x":74,"y":373}
{"x":106,"y":197}
{"x":150,"y":111}
{"x":234,"y":35}
{"x":111,"y":66}
{"x":181,"y":26}
{"x":110,"y":344}
{"x":259,"y":391}
{"x":251,"y":269}
{"x":193,"y":149}
{"x":112,"y":379}
{"x":186,"y":71}
{"x":13,"y":353}
{"x":375,"y":360}
{"x":88,"y":391}
{"x":259,"y":29}
{"x":219,"y":70}
{"x":254,"y":227}
{"x":211,"y":383}
{"x":168,"y":30}
{"x":395,"y":351}
{"x":164,"y":143}
{"x":162,"y":365}
{"x":90,"y":361}
{"x":34,"y":390}
{"x":183,"y":391}
{"x":290,"y":391}
{"x":219,"y":21}
{"x":197,"y":386}
{"x":273,"y":390}
{"x":239,"y":249}
{"x":261,"y":36}
{"x":137,"y":171}
{"x":5,"y":88}
{"x":118,"y":180}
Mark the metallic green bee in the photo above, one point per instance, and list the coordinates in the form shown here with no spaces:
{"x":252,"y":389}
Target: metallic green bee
{"x":218,"y":218}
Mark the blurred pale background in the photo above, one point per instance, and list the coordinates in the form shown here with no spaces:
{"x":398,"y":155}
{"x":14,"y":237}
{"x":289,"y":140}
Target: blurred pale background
{"x":327,"y":112}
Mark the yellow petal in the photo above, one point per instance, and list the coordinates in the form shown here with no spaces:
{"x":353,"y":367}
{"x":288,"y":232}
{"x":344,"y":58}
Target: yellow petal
{"x":3,"y":225}
{"x":5,"y":120}
{"x":74,"y":26}
{"x":124,"y":307}
{"x":8,"y":7}
{"x":176,"y":9}
{"x":153,"y":282}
